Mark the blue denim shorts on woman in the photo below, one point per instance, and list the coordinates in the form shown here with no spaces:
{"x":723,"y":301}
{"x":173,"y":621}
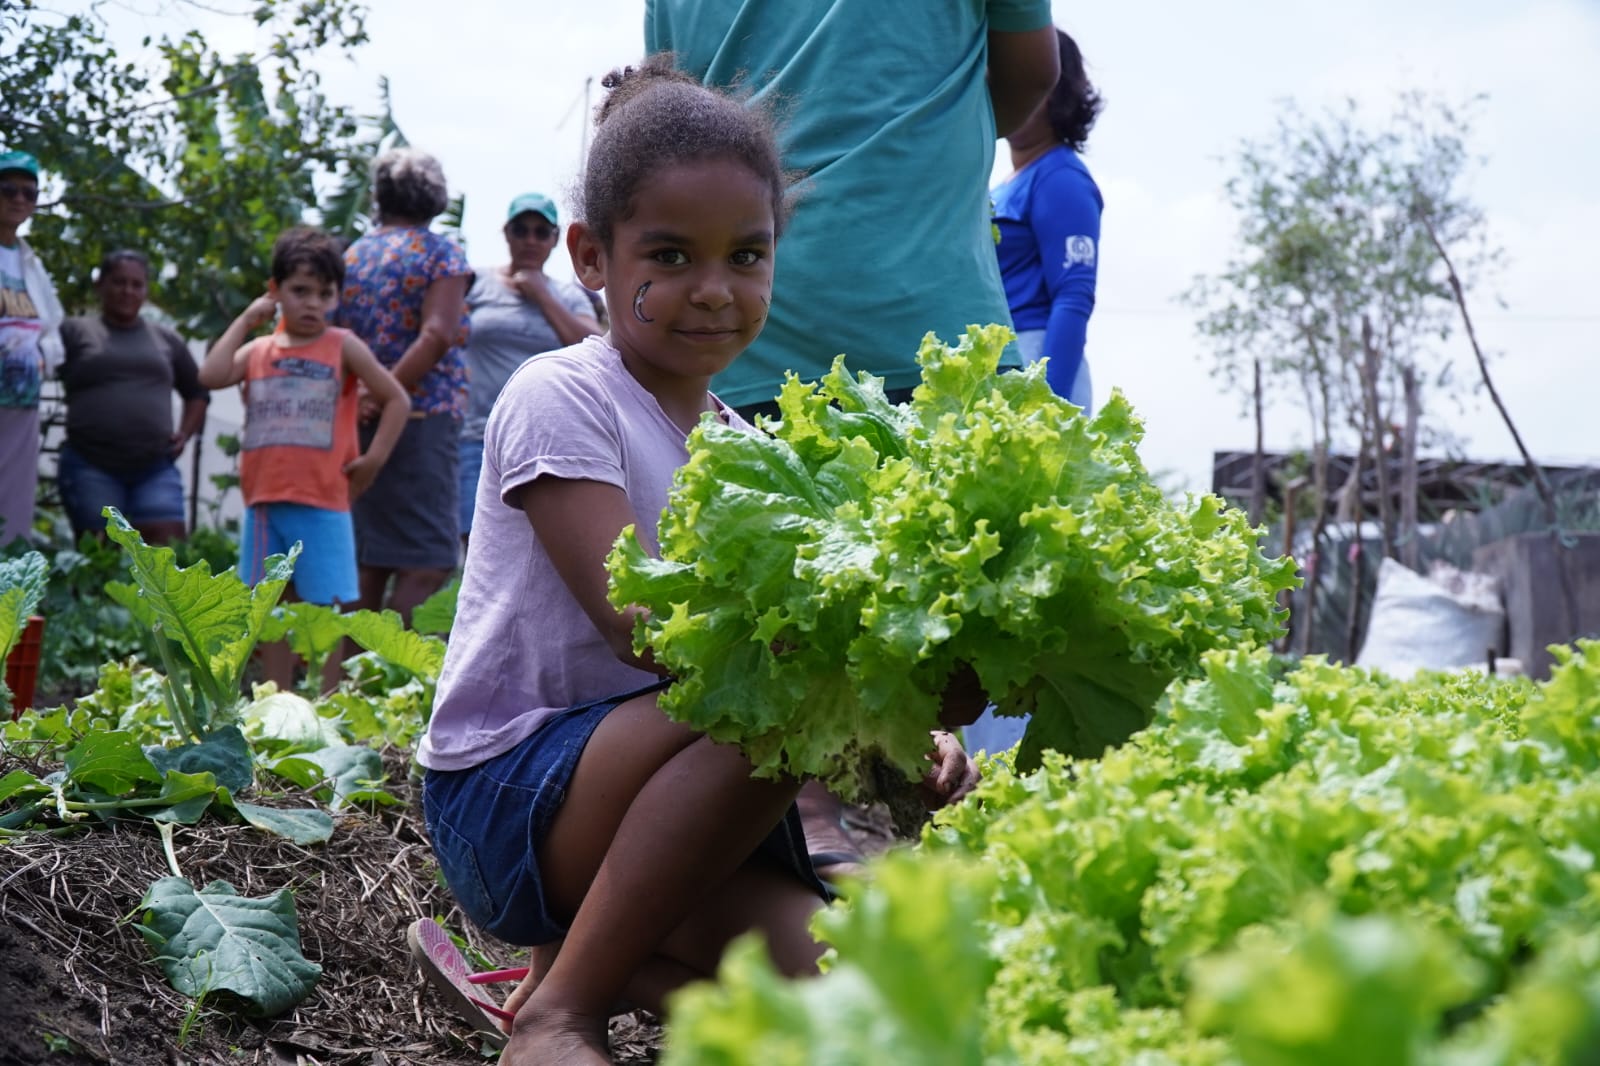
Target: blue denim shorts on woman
{"x":153,"y":494}
{"x":487,"y":823}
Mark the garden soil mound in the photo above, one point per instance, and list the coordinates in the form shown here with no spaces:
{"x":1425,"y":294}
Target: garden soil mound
{"x":78,"y":984}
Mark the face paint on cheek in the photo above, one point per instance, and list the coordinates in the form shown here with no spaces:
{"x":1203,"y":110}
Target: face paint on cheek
{"x":638,"y":304}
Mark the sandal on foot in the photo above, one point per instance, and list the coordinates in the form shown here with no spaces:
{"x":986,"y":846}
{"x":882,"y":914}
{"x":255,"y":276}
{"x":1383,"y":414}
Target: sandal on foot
{"x":445,"y":968}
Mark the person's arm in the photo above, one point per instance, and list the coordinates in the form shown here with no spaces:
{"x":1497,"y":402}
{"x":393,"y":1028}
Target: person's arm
{"x":71,"y":343}
{"x":226,"y":362}
{"x":186,"y":380}
{"x":952,"y":775}
{"x":189,"y":423}
{"x":536,"y":287}
{"x":577,"y":522}
{"x":442,"y":306}
{"x":42,"y":291}
{"x":1023,"y":68}
{"x":395,"y":407}
{"x":1064,"y":217}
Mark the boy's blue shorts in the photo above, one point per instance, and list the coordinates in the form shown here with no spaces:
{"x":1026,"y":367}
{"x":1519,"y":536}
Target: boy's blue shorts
{"x":325,"y":573}
{"x":486,"y":824}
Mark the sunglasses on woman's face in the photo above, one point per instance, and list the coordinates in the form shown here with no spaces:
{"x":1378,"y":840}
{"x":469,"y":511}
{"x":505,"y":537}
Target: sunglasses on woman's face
{"x":539,"y":231}
{"x":10,"y":190}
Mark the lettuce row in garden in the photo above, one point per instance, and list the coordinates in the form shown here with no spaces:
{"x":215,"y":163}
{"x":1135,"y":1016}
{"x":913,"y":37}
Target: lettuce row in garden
{"x":818,"y":586}
{"x":1322,"y":867}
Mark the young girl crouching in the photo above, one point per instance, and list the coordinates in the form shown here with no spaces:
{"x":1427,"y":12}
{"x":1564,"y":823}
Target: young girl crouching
{"x":565,"y":808}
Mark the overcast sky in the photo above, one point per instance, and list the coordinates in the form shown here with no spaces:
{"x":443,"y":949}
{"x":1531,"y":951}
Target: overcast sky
{"x":496,"y":90}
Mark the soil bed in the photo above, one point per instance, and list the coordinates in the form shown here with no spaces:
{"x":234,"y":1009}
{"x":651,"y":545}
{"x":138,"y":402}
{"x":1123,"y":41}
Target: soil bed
{"x":78,"y":984}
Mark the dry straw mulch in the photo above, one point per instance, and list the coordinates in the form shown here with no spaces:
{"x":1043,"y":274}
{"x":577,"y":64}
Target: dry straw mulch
{"x":77,"y":975}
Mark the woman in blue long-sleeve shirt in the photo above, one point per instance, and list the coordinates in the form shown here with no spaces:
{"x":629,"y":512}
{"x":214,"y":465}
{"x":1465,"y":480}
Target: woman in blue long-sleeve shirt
{"x":1048,"y":212}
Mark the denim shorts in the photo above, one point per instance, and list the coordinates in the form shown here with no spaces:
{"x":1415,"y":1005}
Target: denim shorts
{"x":151,"y":494}
{"x":486,"y":824}
{"x":325,"y":573}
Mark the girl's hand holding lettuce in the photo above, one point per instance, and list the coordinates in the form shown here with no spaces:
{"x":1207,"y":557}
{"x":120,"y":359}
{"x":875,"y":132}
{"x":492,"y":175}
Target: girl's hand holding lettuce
{"x":820,"y":588}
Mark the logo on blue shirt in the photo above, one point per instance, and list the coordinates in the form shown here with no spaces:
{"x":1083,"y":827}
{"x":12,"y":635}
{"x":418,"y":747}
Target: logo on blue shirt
{"x":1080,"y":249}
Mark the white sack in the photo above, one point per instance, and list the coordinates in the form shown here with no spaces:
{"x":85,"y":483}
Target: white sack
{"x":1447,"y":620}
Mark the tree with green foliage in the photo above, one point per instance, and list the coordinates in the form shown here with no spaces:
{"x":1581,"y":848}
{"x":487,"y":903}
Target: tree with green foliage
{"x":199,"y":158}
{"x":1338,"y":295}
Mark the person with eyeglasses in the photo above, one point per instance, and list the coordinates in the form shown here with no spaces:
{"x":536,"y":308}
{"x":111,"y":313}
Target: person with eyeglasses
{"x":30,"y":344}
{"x":517,"y":311}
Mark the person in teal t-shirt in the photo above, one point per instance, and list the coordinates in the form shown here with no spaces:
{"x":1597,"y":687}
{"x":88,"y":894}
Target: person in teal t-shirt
{"x":890,"y":109}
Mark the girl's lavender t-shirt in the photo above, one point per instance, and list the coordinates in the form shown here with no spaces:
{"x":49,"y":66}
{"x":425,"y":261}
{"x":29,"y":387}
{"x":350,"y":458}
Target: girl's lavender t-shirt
{"x":522,"y":650}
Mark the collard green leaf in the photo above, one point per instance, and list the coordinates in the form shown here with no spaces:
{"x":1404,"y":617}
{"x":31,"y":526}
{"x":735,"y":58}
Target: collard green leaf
{"x":188,"y":797}
{"x":314,"y":631}
{"x":303,"y":825}
{"x":21,"y":783}
{"x":224,"y":753}
{"x":436,"y":614}
{"x":388,"y":636}
{"x":110,"y":763}
{"x":22,"y":585}
{"x":215,"y":941}
{"x":214,"y":619}
{"x":341,"y":773}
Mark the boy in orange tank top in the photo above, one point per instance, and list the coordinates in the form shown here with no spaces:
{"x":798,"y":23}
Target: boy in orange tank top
{"x":301,"y":462}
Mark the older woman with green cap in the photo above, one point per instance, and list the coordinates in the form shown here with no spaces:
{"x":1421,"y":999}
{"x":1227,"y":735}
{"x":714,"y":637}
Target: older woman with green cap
{"x":517,"y":311}
{"x":30,"y":344}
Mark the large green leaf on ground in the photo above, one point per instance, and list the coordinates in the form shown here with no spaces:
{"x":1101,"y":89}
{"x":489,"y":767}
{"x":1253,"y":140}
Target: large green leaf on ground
{"x":216,"y":940}
{"x":224,"y":753}
{"x":20,"y":782}
{"x":303,"y":825}
{"x":111,"y":763}
{"x":187,"y":797}
{"x":342,"y":774}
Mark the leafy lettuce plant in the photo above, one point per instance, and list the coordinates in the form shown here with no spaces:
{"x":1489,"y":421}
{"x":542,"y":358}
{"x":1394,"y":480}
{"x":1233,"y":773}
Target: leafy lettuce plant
{"x":1320,"y":867}
{"x":819,"y":586}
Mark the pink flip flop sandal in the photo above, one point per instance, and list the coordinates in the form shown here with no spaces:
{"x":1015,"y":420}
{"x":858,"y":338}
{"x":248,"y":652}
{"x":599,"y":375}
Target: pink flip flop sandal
{"x":446,"y":970}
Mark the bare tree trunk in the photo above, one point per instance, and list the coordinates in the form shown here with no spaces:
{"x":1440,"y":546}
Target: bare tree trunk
{"x":1258,"y":469}
{"x":1371,"y":366}
{"x":1408,"y":470}
{"x":1321,"y":417}
{"x":1534,"y":470}
{"x":1291,"y":517}
{"x":1357,"y":556}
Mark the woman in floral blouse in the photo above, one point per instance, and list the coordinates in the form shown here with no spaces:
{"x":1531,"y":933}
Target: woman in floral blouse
{"x":405,"y":295}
